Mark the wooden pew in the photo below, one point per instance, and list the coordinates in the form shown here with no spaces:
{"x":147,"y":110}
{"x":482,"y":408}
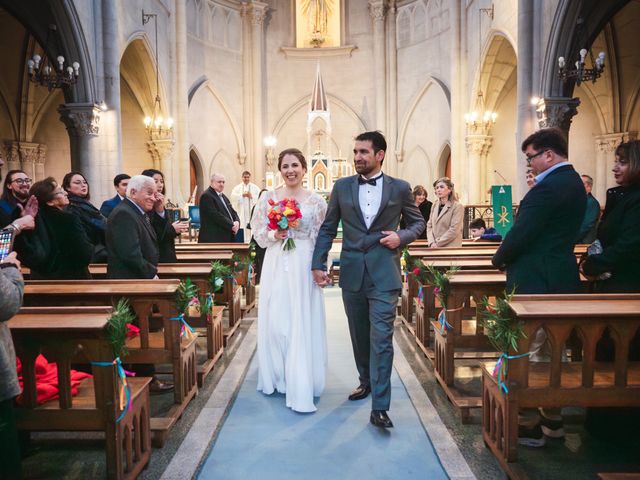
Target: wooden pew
{"x":79,"y":333}
{"x":242,"y":248}
{"x":553,"y":384}
{"x":166,"y":346}
{"x":203,"y":256}
{"x":470,"y":251}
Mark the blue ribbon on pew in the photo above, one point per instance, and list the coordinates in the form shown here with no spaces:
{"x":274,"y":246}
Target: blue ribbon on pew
{"x":249,"y":273}
{"x":501,"y":369}
{"x":122,"y":375}
{"x":442,"y":319}
{"x":420,"y":294}
{"x":185,"y":325}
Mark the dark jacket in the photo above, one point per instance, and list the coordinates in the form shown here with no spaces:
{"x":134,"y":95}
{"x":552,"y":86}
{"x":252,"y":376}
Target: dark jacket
{"x":70,"y":250}
{"x":589,"y":226}
{"x":361,"y":247}
{"x":619,"y":234}
{"x":538,"y":250}
{"x":215,"y":223}
{"x":108,"y":205}
{"x":425,"y":210}
{"x":166,"y":235}
{"x":491,"y":235}
{"x":132,"y":243}
{"x":30,"y":245}
{"x":94,"y":225}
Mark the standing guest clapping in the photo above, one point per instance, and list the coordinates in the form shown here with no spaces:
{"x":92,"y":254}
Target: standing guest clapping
{"x":69,"y":250}
{"x":166,"y":230}
{"x":120,"y":183}
{"x":219,"y":222}
{"x":444,"y":228}
{"x":93,"y":222}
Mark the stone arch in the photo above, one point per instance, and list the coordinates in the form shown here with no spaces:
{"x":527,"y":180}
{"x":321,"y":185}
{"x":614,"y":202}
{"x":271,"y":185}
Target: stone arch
{"x":497,"y":67}
{"x":195,"y":159}
{"x":204,"y":82}
{"x":431,"y":81}
{"x":444,"y":161}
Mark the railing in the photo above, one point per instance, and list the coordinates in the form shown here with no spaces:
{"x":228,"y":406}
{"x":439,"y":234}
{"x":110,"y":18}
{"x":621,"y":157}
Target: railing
{"x":484,"y":211}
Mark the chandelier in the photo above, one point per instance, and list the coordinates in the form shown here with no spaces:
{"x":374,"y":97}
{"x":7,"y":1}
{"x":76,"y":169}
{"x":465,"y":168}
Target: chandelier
{"x":480,"y":118}
{"x":156,"y":124}
{"x":42,"y":72}
{"x":581,"y":73}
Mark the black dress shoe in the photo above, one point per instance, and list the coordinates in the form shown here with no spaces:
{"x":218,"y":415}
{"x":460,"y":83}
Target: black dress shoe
{"x":361,"y":392}
{"x":158,"y":386}
{"x":379,"y":418}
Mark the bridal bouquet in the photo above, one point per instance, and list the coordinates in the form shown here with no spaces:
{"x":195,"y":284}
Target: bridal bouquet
{"x":284,"y":215}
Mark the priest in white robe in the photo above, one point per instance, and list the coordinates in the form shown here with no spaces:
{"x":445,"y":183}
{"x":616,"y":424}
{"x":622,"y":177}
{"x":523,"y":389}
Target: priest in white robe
{"x":243,"y":197}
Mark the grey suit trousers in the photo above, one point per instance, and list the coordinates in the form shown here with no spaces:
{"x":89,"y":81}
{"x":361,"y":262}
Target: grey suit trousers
{"x":371,"y":314}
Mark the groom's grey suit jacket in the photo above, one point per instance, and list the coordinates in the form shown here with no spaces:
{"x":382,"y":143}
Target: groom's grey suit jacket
{"x":361,"y":245}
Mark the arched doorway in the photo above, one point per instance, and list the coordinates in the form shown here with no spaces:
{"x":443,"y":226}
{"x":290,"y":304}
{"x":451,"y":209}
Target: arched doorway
{"x":197,"y":183}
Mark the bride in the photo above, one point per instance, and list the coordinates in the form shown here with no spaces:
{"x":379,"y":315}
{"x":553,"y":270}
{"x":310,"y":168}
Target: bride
{"x":292,"y":344}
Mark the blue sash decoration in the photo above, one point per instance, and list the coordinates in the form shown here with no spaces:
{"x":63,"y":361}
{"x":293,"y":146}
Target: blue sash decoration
{"x":420,"y":294}
{"x":249,"y":273}
{"x":501,"y":370}
{"x":442,"y":319}
{"x":184,"y":327}
{"x":125,"y":392}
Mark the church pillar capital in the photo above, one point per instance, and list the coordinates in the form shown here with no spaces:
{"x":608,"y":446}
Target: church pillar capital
{"x":478,"y":144}
{"x":557,"y":112}
{"x":161,"y":150}
{"x":81,"y":119}
{"x":608,"y":142}
{"x":27,"y":156}
{"x":377,"y":10}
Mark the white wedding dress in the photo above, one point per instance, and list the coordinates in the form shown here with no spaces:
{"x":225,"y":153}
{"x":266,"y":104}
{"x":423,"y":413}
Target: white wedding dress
{"x":292,"y":343}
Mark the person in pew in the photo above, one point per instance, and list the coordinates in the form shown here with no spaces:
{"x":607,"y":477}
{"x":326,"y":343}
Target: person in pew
{"x":219,"y":222}
{"x":70,"y":250}
{"x":420,"y":195}
{"x":18,"y":212}
{"x":479,"y":231}
{"x":617,"y":269}
{"x":11,"y":289}
{"x":444,"y":228}
{"x":537,"y":253}
{"x":132,"y":242}
{"x":619,"y":229}
{"x":120,"y":183}
{"x":93,"y":222}
{"x":589,"y":225}
{"x":133,"y":248}
{"x":166,"y":231}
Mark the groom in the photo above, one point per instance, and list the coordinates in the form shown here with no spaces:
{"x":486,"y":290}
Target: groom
{"x":370,"y":205}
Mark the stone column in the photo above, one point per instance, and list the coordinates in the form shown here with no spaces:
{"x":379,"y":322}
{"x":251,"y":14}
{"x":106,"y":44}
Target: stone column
{"x":107,"y":158}
{"x":83,"y":121}
{"x":258,"y":14}
{"x":524,"y":90}
{"x":478,"y":146}
{"x":180,"y":185}
{"x":457,"y":124}
{"x":12,"y":157}
{"x":605,"y":154}
{"x":377,"y":10}
{"x":32,"y":157}
{"x":392,"y":123}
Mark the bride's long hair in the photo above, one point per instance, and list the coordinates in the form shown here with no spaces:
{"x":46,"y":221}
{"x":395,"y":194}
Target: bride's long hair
{"x":296,"y":153}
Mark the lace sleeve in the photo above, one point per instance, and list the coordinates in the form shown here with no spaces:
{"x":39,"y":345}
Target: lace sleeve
{"x":259,"y":222}
{"x":319,"y":212}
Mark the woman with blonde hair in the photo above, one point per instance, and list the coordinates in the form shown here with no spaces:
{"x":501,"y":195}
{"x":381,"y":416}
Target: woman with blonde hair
{"x":444,"y":228}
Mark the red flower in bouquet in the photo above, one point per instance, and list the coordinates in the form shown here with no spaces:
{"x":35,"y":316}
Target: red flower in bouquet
{"x":284,"y":215}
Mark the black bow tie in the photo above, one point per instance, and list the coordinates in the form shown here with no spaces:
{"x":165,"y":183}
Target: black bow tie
{"x":371,"y":181}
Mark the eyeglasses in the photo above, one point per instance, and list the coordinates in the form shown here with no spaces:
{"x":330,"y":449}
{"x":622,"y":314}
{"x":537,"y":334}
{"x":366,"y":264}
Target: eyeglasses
{"x":61,"y":192}
{"x":22,"y":181}
{"x":529,"y":158}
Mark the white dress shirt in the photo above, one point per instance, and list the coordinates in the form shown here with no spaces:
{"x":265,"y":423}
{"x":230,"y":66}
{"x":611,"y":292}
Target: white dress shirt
{"x":370,"y":197}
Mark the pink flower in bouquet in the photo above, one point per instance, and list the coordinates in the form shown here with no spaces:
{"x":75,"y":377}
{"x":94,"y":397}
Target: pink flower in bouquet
{"x":416,"y":271}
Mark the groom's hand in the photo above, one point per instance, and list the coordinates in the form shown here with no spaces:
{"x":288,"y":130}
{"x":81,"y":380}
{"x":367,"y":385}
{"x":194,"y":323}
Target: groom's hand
{"x":321,"y":278}
{"x":391,"y":240}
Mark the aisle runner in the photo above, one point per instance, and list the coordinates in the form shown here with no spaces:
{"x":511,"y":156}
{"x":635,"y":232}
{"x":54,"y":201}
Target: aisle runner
{"x":261,"y":438}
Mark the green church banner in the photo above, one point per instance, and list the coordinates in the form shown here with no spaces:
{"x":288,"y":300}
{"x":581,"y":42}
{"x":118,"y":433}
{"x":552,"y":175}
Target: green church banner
{"x":502,"y":208}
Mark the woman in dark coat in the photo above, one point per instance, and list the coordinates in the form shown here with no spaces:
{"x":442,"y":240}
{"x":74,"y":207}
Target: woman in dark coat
{"x":619,"y":229}
{"x":94,"y":224}
{"x":420,"y":196}
{"x":619,"y":234}
{"x":70,"y":250}
{"x":166,"y":231}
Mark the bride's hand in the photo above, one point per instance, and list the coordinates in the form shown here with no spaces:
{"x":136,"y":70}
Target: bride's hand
{"x":281,"y":234}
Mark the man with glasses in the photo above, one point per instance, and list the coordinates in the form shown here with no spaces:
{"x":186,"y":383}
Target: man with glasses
{"x":17,"y":209}
{"x":537,"y":253}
